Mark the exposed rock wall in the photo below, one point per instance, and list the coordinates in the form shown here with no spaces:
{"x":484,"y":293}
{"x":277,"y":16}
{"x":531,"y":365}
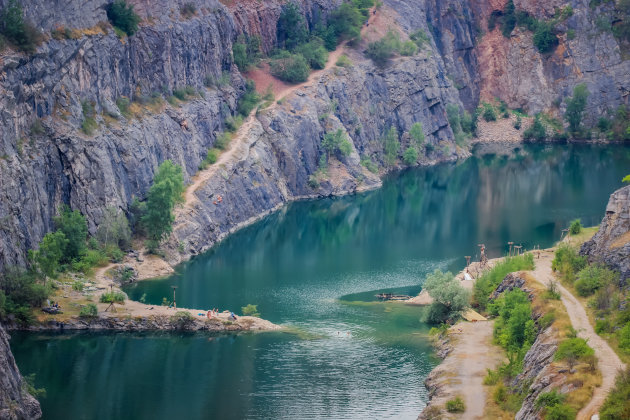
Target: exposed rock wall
{"x":15,"y":401}
{"x":513,"y":70}
{"x":611,"y":244}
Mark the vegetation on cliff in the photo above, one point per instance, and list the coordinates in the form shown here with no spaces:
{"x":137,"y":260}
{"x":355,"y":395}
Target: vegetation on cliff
{"x":18,"y":32}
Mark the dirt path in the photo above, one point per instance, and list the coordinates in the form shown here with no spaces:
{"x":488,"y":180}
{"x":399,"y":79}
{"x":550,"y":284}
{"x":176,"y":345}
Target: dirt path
{"x":608,"y":361}
{"x":462,"y":371}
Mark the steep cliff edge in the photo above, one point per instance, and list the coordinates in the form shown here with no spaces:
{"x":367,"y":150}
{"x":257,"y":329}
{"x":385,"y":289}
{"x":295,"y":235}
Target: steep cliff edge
{"x":116,"y":163}
{"x":611,"y":244}
{"x":15,"y":401}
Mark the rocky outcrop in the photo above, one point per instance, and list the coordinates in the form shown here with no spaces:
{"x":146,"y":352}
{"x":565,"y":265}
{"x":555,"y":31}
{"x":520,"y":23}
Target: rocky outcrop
{"x":611,"y":244}
{"x":510,"y":282}
{"x":513,"y":70}
{"x":538,"y":374}
{"x":155,"y":323}
{"x":15,"y":401}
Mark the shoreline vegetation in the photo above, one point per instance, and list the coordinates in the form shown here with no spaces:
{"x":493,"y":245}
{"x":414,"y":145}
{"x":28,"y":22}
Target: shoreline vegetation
{"x":539,"y":354}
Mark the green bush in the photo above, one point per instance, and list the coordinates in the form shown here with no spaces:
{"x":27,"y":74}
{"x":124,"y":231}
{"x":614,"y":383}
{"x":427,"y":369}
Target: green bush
{"x":456,"y":405}
{"x":417,"y":133}
{"x":248,"y":101}
{"x":514,"y":328}
{"x":410,"y":156}
{"x":166,"y":191}
{"x":337,"y":142}
{"x":182,"y":320}
{"x":250,"y":310}
{"x":560,"y":412}
{"x":291,"y":28}
{"x":573,"y":350}
{"x":545,"y":40}
{"x":89,"y":311}
{"x":408,"y":48}
{"x":292,"y":68}
{"x":51,"y":250}
{"x":549,"y":399}
{"x":346,"y":21}
{"x":617,"y":404}
{"x":391,"y":145}
{"x":343,"y":61}
{"x":536,"y":131}
{"x":575,"y":227}
{"x":450,"y":299}
{"x":381,"y":51}
{"x":624,"y":338}
{"x":488,"y":113}
{"x":592,"y":277}
{"x":419,"y":37}
{"x":568,"y":262}
{"x":113,"y":297}
{"x":114,"y":229}
{"x":314,"y":53}
{"x":369,"y":164}
{"x":188,"y":10}
{"x":74,"y":227}
{"x":489,"y":280}
{"x":222,"y":141}
{"x":14,"y":29}
{"x":603,"y":326}
{"x":452,"y":114}
{"x":211,"y":157}
{"x":19,"y":292}
{"x":508,"y":19}
{"x":246,"y":52}
{"x":575,"y":108}
{"x":518,"y":122}
{"x":122,"y":16}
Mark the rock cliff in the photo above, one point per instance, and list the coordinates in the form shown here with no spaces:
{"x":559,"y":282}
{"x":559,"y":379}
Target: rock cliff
{"x":611,"y":244}
{"x":15,"y":401}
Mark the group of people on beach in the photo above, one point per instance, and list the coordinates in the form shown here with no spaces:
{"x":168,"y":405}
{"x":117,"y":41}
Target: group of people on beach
{"x":215,"y":313}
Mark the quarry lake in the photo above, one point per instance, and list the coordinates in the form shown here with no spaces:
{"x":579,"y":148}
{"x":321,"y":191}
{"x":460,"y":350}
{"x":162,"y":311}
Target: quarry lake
{"x":315,"y":267}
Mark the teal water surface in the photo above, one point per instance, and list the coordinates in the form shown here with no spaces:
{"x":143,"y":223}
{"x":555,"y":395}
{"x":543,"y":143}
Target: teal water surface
{"x":316,"y":266}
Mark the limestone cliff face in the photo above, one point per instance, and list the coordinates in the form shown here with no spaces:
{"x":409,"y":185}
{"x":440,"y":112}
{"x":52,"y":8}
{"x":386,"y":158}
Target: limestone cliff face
{"x":40,"y":171}
{"x":611,"y":244}
{"x":15,"y":401}
{"x":513,"y":70}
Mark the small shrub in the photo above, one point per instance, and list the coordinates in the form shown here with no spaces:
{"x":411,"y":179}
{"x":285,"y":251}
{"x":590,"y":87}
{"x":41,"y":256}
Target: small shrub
{"x":182,"y":320}
{"x":381,"y":51}
{"x":367,"y":163}
{"x":343,"y":61}
{"x":492,"y":377}
{"x":248,"y":101}
{"x":575,"y":227}
{"x":37,"y":128}
{"x":545,"y":40}
{"x":123,"y":104}
{"x":518,"y":122}
{"x":617,"y":404}
{"x":456,"y":405}
{"x":592,"y":277}
{"x":292,"y":68}
{"x":16,"y":30}
{"x":603,"y":326}
{"x":568,"y":262}
{"x":560,"y":412}
{"x":250,"y":310}
{"x":113,"y":297}
{"x":546,"y":320}
{"x":488,"y":113}
{"x":314,"y":53}
{"x":549,"y":399}
{"x":188,"y":10}
{"x":122,"y":17}
{"x":89,"y":311}
{"x":419,"y":38}
{"x":222,"y":141}
{"x":536,"y":131}
{"x":573,"y":350}
{"x":408,"y":48}
{"x":410,"y":156}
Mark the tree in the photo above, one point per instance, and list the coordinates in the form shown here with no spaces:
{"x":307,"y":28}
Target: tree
{"x":626,"y":178}
{"x":314,"y":53}
{"x":410,"y":156}
{"x":575,"y":107}
{"x":291,"y":28}
{"x":572,"y":350}
{"x":536,"y":131}
{"x":575,"y":227}
{"x":336,"y":142}
{"x":544,"y":38}
{"x":346,"y":21}
{"x":50,"y":252}
{"x":166,"y":191}
{"x":450,"y":299}
{"x":122,"y":16}
{"x":74,"y":226}
{"x":391,"y":145}
{"x":292,"y":68}
{"x":417,"y":134}
{"x":13,"y":27}
{"x":452,"y":114}
{"x":114,"y":228}
{"x":250,"y":310}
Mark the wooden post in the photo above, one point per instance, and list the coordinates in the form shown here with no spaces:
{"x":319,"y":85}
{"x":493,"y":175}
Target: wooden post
{"x":467,"y":262}
{"x":174,"y":301}
{"x":510,"y":251}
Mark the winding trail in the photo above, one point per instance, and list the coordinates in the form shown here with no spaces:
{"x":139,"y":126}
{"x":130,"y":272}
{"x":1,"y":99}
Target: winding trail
{"x":281,"y":90}
{"x":608,"y":361}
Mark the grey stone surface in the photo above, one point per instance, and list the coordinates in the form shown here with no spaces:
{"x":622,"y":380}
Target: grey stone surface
{"x":15,"y":401}
{"x":611,"y":244}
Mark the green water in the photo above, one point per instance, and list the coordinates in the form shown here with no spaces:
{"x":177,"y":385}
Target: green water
{"x":316,"y":266}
